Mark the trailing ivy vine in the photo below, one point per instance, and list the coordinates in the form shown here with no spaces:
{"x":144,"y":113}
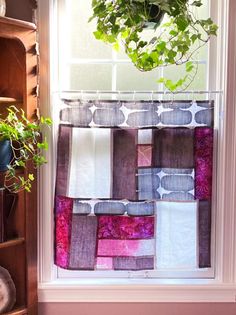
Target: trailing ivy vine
{"x":176,"y":33}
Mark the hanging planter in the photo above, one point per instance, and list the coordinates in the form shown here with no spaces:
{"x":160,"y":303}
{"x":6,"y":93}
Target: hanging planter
{"x":155,"y":15}
{"x":177,"y":33}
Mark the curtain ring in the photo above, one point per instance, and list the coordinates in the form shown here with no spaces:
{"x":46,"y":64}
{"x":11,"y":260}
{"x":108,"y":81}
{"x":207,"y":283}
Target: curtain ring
{"x":119,"y":97}
{"x":134,"y":96}
{"x":193,"y":96}
{"x":210,"y":97}
{"x":152,"y":97}
{"x":172,"y":98}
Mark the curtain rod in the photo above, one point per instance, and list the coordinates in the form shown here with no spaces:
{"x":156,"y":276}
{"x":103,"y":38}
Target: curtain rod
{"x":137,"y":92}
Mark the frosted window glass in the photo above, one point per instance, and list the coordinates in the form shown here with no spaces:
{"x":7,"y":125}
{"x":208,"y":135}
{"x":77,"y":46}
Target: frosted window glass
{"x":90,"y":77}
{"x":130,"y":78}
{"x":83,"y":42}
{"x":177,"y":72}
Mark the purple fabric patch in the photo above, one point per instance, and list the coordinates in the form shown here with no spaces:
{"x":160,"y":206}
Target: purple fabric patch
{"x":83,"y":242}
{"x":173,"y":148}
{"x":133,"y":263}
{"x":128,"y":228}
{"x":204,"y":234}
{"x":63,"y":159}
{"x":203,"y":162}
{"x":63,"y":209}
{"x":124,"y":164}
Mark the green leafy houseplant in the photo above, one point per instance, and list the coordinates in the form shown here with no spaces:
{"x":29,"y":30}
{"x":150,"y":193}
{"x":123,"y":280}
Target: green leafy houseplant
{"x":26,"y":145}
{"x":174,"y":40}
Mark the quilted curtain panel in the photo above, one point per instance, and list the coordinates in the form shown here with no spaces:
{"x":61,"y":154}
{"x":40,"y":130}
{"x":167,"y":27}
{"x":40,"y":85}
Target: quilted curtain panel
{"x":134,"y":185}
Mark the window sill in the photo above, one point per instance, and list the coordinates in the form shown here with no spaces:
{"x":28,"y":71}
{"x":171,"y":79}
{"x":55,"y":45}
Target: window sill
{"x":135,"y":291}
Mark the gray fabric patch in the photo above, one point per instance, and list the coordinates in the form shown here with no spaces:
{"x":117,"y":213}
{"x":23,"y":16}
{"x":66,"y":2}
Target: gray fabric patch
{"x":143,"y":119}
{"x":176,"y":117}
{"x":177,"y":183}
{"x":108,"y":117}
{"x":108,"y":207}
{"x":76,"y":116}
{"x":178,"y":196}
{"x":140,"y":208}
{"x":148,"y":183}
{"x":205,"y":117}
{"x":133,"y":263}
{"x":81,"y":207}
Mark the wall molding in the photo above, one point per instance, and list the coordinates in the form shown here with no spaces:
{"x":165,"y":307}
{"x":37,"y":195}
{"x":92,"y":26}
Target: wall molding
{"x":53,"y":292}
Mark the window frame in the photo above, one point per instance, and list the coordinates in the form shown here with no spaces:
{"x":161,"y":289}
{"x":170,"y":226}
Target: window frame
{"x":220,"y":289}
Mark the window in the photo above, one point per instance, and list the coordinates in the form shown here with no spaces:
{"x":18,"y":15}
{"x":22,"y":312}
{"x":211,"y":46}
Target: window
{"x":113,"y":67}
{"x":88,"y":64}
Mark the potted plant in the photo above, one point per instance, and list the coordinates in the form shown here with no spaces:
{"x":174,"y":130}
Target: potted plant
{"x":21,"y":142}
{"x":177,"y":33}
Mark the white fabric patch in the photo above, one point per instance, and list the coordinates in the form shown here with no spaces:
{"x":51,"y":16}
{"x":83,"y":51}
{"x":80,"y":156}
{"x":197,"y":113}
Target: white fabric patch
{"x":90,"y":169}
{"x":145,"y":136}
{"x":176,"y":234}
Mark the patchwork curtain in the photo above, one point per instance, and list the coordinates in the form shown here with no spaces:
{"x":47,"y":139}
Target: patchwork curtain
{"x":134,"y":185}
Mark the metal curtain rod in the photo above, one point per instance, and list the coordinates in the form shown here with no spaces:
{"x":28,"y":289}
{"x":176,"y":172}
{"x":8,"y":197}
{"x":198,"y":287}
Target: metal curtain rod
{"x":138,"y":92}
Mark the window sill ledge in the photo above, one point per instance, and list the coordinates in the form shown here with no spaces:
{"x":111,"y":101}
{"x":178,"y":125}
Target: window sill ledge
{"x":61,"y":291}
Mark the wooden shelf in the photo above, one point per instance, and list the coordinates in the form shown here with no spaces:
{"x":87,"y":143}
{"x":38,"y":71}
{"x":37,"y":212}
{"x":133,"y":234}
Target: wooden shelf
{"x":19,"y":23}
{"x":18,"y":311}
{"x":9,"y":101}
{"x":18,"y":79}
{"x":14,"y":242}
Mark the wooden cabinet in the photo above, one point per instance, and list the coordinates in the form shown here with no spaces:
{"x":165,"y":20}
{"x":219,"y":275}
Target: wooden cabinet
{"x":18,"y":86}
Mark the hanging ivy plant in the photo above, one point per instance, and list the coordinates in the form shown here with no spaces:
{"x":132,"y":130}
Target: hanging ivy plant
{"x":176,"y":33}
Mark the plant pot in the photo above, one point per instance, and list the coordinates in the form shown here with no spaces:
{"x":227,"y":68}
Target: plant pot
{"x":155,"y":16}
{"x":5,"y":154}
{"x":7,"y":209}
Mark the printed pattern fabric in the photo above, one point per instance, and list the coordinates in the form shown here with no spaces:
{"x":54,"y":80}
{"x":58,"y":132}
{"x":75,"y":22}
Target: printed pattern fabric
{"x":134,"y":185}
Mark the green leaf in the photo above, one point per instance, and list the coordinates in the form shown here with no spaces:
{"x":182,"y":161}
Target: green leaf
{"x":189,"y":66}
{"x":97,"y":34}
{"x":182,"y":23}
{"x":31,"y":177}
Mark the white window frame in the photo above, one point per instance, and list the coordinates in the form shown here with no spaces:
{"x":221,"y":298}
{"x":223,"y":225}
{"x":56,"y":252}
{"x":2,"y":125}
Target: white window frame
{"x":220,"y":289}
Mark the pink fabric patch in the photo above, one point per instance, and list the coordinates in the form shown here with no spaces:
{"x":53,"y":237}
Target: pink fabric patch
{"x":122,"y":227}
{"x":104,"y":263}
{"x":203,"y":162}
{"x":144,"y":155}
{"x":64,"y":208}
{"x":111,"y":248}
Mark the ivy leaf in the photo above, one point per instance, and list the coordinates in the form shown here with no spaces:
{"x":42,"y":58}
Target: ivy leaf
{"x":189,"y":66}
{"x":97,"y":34}
{"x":182,"y":23}
{"x":31,"y":177}
{"x":116,"y":46}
